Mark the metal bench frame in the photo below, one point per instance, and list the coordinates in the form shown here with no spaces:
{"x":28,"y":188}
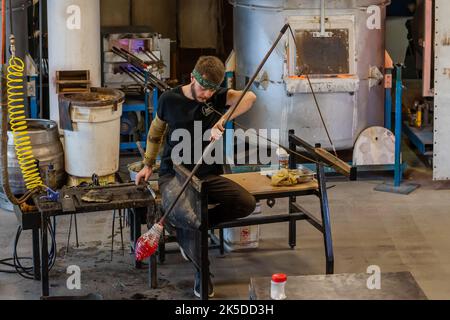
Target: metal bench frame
{"x":296,"y":212}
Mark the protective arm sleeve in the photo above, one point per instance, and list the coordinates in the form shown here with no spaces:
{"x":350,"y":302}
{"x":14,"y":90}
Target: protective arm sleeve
{"x":154,"y":141}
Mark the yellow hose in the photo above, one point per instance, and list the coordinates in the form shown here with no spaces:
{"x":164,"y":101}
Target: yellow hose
{"x":17,"y":116}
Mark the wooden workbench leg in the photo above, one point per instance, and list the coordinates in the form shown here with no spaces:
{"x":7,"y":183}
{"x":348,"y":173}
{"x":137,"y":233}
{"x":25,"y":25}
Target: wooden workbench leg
{"x":325,"y":211}
{"x":44,"y":256}
{"x":36,"y":254}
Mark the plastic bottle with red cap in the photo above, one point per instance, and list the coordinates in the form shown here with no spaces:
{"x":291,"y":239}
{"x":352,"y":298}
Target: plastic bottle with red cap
{"x":277,"y":288}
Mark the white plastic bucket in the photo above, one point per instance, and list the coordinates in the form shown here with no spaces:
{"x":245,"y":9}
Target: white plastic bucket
{"x":242,"y":238}
{"x":94,"y":144}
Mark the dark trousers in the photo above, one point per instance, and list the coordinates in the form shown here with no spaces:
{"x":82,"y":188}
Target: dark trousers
{"x":230,"y":202}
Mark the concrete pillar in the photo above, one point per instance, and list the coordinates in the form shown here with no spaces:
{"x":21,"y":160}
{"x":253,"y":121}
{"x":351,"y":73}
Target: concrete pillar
{"x":73,"y":42}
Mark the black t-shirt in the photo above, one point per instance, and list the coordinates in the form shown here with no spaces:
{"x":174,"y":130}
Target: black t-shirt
{"x":180,"y":112}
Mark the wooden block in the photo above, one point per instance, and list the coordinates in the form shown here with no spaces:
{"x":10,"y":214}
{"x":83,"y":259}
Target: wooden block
{"x":72,"y":81}
{"x":339,"y":165}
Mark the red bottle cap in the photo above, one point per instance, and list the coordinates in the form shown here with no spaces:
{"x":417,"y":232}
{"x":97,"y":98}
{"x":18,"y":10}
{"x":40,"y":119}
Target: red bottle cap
{"x":279,"y":277}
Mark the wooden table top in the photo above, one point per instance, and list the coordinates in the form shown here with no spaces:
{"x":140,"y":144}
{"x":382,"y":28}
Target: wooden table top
{"x":258,"y":184}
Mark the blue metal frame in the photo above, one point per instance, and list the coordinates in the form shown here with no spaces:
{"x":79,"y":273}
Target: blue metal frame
{"x":146,"y":107}
{"x":398,"y":166}
{"x":398,"y":126}
{"x":132,"y":108}
{"x":421,"y":138}
{"x":34,"y":104}
{"x":398,"y":187}
{"x":141,"y":107}
{"x":155,"y":102}
{"x":388,"y":105}
{"x":369,"y":168}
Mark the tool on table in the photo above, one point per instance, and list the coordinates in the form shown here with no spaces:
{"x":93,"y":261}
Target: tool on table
{"x":95,"y":180}
{"x":51,"y":195}
{"x":140,"y":69}
{"x":141,"y":150}
{"x":97,"y":196}
{"x":67,"y":204}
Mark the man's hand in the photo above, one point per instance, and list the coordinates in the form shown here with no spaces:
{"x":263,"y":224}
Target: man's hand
{"x":217,"y":130}
{"x":144,"y":174}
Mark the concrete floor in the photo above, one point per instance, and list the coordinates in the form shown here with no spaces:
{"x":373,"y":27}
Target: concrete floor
{"x":395,"y":232}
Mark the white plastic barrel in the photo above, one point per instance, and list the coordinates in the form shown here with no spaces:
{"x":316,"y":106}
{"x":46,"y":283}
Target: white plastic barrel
{"x":94,"y":144}
{"x":242,"y":238}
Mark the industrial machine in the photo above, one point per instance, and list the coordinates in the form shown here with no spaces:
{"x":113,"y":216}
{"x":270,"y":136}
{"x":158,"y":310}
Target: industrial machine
{"x":137,"y":63}
{"x":150,"y":47}
{"x":341,"y":46}
{"x":420,"y":104}
{"x":427,"y":120}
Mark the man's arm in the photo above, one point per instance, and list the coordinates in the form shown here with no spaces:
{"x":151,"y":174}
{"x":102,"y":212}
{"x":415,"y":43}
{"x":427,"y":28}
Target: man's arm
{"x":233,"y":97}
{"x":154,"y":141}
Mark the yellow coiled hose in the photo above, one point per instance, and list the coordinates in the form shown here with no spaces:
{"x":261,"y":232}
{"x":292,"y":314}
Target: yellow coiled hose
{"x":17,"y":116}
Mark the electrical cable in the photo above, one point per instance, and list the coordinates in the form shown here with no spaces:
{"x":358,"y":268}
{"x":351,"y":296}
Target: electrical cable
{"x":16,"y":264}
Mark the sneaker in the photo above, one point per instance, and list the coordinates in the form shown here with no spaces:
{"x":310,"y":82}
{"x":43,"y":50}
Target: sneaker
{"x":185,"y":257}
{"x":197,"y":286}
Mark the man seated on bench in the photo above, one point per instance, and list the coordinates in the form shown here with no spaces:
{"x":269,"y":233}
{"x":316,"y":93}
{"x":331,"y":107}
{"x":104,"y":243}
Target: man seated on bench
{"x":181,"y":108}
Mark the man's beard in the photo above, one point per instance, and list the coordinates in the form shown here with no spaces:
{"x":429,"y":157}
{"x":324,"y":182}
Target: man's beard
{"x":194,"y":95}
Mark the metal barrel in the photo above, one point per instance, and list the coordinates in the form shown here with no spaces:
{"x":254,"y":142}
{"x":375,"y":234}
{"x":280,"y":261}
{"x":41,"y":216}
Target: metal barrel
{"x":47,"y":149}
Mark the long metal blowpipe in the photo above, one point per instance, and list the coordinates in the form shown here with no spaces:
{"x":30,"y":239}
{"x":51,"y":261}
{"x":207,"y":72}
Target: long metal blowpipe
{"x":154,"y":234}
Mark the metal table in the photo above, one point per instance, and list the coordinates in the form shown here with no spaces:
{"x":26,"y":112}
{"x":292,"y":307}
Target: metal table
{"x":259,"y":186}
{"x":394,"y":286}
{"x":124,"y":196}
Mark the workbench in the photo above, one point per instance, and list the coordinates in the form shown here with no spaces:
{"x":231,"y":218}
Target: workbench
{"x":260,"y":187}
{"x":124,"y":196}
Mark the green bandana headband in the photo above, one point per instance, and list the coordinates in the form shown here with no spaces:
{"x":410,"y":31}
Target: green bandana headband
{"x":205,"y":83}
